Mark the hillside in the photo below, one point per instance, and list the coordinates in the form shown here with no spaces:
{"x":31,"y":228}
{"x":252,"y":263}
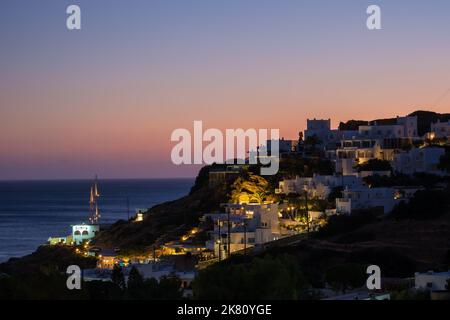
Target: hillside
{"x":164,"y":222}
{"x":424,"y":245}
{"x":170,"y":220}
{"x":424,"y":121}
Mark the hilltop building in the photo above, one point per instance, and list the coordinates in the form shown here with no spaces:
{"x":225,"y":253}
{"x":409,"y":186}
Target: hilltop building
{"x":84,"y":232}
{"x":329,"y":138}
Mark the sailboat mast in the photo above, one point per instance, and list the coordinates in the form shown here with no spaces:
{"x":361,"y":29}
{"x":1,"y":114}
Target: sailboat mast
{"x":93,"y":203}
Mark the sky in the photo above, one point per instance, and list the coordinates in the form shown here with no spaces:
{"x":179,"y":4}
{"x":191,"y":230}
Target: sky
{"x":105,"y":99}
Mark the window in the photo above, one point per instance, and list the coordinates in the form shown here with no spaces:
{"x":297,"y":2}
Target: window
{"x":85,"y":233}
{"x":77,"y":233}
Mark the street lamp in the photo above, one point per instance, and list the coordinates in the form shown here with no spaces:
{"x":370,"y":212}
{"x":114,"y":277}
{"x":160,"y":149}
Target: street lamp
{"x":219,"y":241}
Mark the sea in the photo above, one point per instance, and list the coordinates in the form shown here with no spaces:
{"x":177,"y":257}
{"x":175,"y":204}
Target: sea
{"x":33,"y":211}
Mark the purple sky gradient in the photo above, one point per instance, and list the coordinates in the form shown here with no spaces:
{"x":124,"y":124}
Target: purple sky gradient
{"x":105,"y":99}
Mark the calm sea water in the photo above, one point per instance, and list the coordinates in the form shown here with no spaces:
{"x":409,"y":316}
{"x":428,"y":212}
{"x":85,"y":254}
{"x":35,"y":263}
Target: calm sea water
{"x":32,"y":211}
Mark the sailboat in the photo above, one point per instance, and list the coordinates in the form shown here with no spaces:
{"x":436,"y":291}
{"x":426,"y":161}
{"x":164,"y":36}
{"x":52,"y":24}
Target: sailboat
{"x":93,"y":203}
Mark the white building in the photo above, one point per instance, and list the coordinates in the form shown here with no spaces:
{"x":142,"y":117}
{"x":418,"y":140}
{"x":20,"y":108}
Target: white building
{"x":329,"y":138}
{"x":405,"y":127}
{"x":249,"y":225}
{"x":374,"y":141}
{"x":409,"y":126}
{"x":395,"y":131}
{"x":319,"y":128}
{"x":366,"y":198}
{"x":441,"y":129}
{"x":433,"y":281}
{"x":364,"y":150}
{"x":84,"y":232}
{"x":419,"y":160}
{"x":317,"y":186}
{"x":358,"y":151}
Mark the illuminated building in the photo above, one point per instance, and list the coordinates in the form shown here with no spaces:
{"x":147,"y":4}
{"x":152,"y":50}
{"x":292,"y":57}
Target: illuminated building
{"x":440,"y":129}
{"x":84,"y":232}
{"x":242,"y":226}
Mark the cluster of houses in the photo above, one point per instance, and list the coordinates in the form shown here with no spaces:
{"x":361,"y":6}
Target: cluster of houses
{"x":393,"y":143}
{"x":243,"y":225}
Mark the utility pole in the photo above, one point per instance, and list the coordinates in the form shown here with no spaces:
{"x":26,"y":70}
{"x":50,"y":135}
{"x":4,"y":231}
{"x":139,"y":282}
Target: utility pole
{"x":245,"y":237}
{"x":307,"y":212}
{"x":228,"y":238}
{"x":220,"y":239}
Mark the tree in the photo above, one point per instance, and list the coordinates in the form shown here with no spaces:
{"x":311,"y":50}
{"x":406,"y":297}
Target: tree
{"x":375,"y":165}
{"x":252,"y":278}
{"x":444,"y":163}
{"x":426,"y":204}
{"x":103,"y":290}
{"x":250,"y":189}
{"x":169,"y":288}
{"x":312,"y":142}
{"x":344,"y":277}
{"x":135,"y":285}
{"x":118,"y":278}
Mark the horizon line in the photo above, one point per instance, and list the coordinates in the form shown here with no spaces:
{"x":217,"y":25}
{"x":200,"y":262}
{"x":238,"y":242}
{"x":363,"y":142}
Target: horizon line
{"x":89,"y":179}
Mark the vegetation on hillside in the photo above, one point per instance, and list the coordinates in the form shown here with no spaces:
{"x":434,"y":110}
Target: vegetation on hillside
{"x":444,"y":163}
{"x":261,"y":278}
{"x":47,"y":259}
{"x":51,"y":285}
{"x":419,"y":179}
{"x":250,"y":188}
{"x":374,"y":165}
{"x":426,"y":204}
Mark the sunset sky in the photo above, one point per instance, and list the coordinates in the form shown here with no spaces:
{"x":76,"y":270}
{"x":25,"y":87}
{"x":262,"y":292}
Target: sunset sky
{"x":105,"y":99}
